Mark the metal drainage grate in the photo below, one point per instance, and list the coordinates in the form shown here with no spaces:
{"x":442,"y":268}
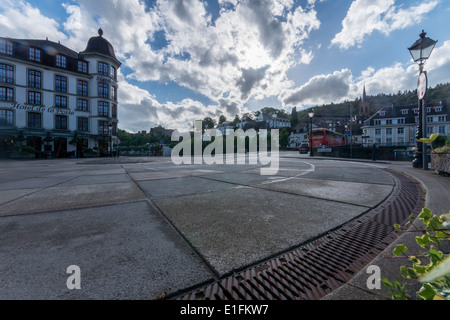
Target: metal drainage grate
{"x":313,"y":270}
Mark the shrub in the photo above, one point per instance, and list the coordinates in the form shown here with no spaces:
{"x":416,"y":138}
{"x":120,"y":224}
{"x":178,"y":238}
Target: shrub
{"x":28,"y":149}
{"x":433,"y":274}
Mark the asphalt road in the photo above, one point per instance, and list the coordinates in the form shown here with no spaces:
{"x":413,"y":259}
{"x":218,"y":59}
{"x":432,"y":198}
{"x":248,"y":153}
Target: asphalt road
{"x":138,"y":228}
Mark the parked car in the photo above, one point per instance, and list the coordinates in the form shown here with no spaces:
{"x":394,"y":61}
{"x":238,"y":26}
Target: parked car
{"x":304,"y":148}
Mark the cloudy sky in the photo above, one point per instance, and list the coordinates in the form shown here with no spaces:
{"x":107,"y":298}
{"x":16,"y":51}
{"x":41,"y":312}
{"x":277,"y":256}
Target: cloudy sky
{"x":183,"y":60}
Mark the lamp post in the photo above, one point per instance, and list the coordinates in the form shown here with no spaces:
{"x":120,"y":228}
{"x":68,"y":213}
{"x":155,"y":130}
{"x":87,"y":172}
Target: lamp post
{"x":420,"y":52}
{"x":311,"y":115}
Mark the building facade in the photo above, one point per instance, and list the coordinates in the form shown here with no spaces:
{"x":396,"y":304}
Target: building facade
{"x":57,"y":100}
{"x":397,"y":125}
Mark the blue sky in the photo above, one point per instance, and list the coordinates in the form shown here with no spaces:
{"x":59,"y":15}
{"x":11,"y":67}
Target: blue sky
{"x":183,"y":60}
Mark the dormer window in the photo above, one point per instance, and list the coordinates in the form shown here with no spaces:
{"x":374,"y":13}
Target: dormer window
{"x":404,"y":111}
{"x":82,"y":66}
{"x":438,"y":109}
{"x":6,"y":47}
{"x":61,"y":61}
{"x":34,"y":54}
{"x":382,"y":113}
{"x":416,"y":110}
{"x":428,"y":109}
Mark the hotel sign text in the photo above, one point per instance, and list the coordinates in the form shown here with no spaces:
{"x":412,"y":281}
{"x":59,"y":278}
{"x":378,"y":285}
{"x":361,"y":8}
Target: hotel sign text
{"x":54,"y":110}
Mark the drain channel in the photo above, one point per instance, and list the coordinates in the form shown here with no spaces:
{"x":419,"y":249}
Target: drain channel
{"x":313,"y":270}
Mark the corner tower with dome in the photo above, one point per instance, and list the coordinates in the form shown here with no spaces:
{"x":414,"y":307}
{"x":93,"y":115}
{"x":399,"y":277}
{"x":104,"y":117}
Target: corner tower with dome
{"x":103,"y":67}
{"x":60,"y":102}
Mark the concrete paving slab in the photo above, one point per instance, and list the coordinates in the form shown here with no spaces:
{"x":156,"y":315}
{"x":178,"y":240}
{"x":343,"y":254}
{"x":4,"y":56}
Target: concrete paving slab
{"x":351,"y":174}
{"x":363,"y":194}
{"x":181,"y":186}
{"x":240,"y":178}
{"x":244,"y":225}
{"x":37,"y":182}
{"x":9,"y":195}
{"x":98,"y":179}
{"x":124,"y":252}
{"x":71,"y":197}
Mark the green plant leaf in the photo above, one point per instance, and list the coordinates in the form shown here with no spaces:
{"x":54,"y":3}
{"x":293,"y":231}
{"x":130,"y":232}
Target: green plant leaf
{"x":425,"y":215}
{"x":433,"y":137}
{"x":424,"y":140}
{"x":400,"y":249}
{"x":397,"y":227}
{"x":426,"y":292}
{"x":423,"y":241}
{"x":386,"y":282}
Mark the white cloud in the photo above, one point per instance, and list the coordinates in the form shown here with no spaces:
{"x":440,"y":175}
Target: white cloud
{"x":321,"y":89}
{"x":366,"y":16}
{"x":18,"y":19}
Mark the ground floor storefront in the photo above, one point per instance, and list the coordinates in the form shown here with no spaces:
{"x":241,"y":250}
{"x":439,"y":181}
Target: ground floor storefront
{"x":53,"y":144}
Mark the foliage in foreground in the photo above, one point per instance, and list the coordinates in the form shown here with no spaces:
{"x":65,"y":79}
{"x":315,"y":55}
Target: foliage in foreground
{"x":431,"y":266}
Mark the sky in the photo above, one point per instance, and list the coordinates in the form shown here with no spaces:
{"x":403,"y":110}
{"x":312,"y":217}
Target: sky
{"x":184,"y":60}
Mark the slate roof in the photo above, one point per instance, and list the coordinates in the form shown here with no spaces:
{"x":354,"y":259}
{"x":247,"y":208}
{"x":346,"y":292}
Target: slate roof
{"x":407,"y":112}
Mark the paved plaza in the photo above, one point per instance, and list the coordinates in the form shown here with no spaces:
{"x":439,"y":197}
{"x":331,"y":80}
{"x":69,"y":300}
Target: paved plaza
{"x":139,"y":228}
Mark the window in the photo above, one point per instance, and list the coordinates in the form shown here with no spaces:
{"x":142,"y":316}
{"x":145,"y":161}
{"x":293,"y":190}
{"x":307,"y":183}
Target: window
{"x":401,"y":121}
{"x":113,"y":93}
{"x":382,"y":113}
{"x":442,"y":118}
{"x":114,"y":111}
{"x":60,"y":101}
{"x":377,"y":122}
{"x":82,"y":66}
{"x":6,"y":47}
{"x":430,"y":130}
{"x":6,"y":118}
{"x":438,"y":109}
{"x":400,"y":130}
{"x":113,"y":73}
{"x":61,"y":122}
{"x":34,"y":97}
{"x":35,"y":54}
{"x":103,"y":69}
{"x":389,"y":141}
{"x":34,"y":120}
{"x":82,"y":105}
{"x":61,"y":61}
{"x":442,"y":130}
{"x":428,"y":109}
{"x":6,"y":94}
{"x":82,"y":88}
{"x":429,"y":119}
{"x":377,"y":132}
{"x":389,"y":121}
{"x":82,"y":124}
{"x":34,"y":79}
{"x":416,"y":110}
{"x":103,"y":109}
{"x":103,"y":128}
{"x":404,"y":111}
{"x":389,"y":131}
{"x":6,"y":73}
{"x":60,"y":84}
{"x":103,"y":90}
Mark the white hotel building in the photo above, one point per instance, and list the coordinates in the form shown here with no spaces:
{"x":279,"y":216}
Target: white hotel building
{"x":397,"y":125}
{"x":57,"y":100}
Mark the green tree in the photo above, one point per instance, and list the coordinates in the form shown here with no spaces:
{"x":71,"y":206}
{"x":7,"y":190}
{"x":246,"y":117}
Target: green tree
{"x":222,"y":119}
{"x":294,"y":117}
{"x":284,"y":138}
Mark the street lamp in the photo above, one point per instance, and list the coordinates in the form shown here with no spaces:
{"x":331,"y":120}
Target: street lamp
{"x":420,"y":52}
{"x":311,"y":115}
